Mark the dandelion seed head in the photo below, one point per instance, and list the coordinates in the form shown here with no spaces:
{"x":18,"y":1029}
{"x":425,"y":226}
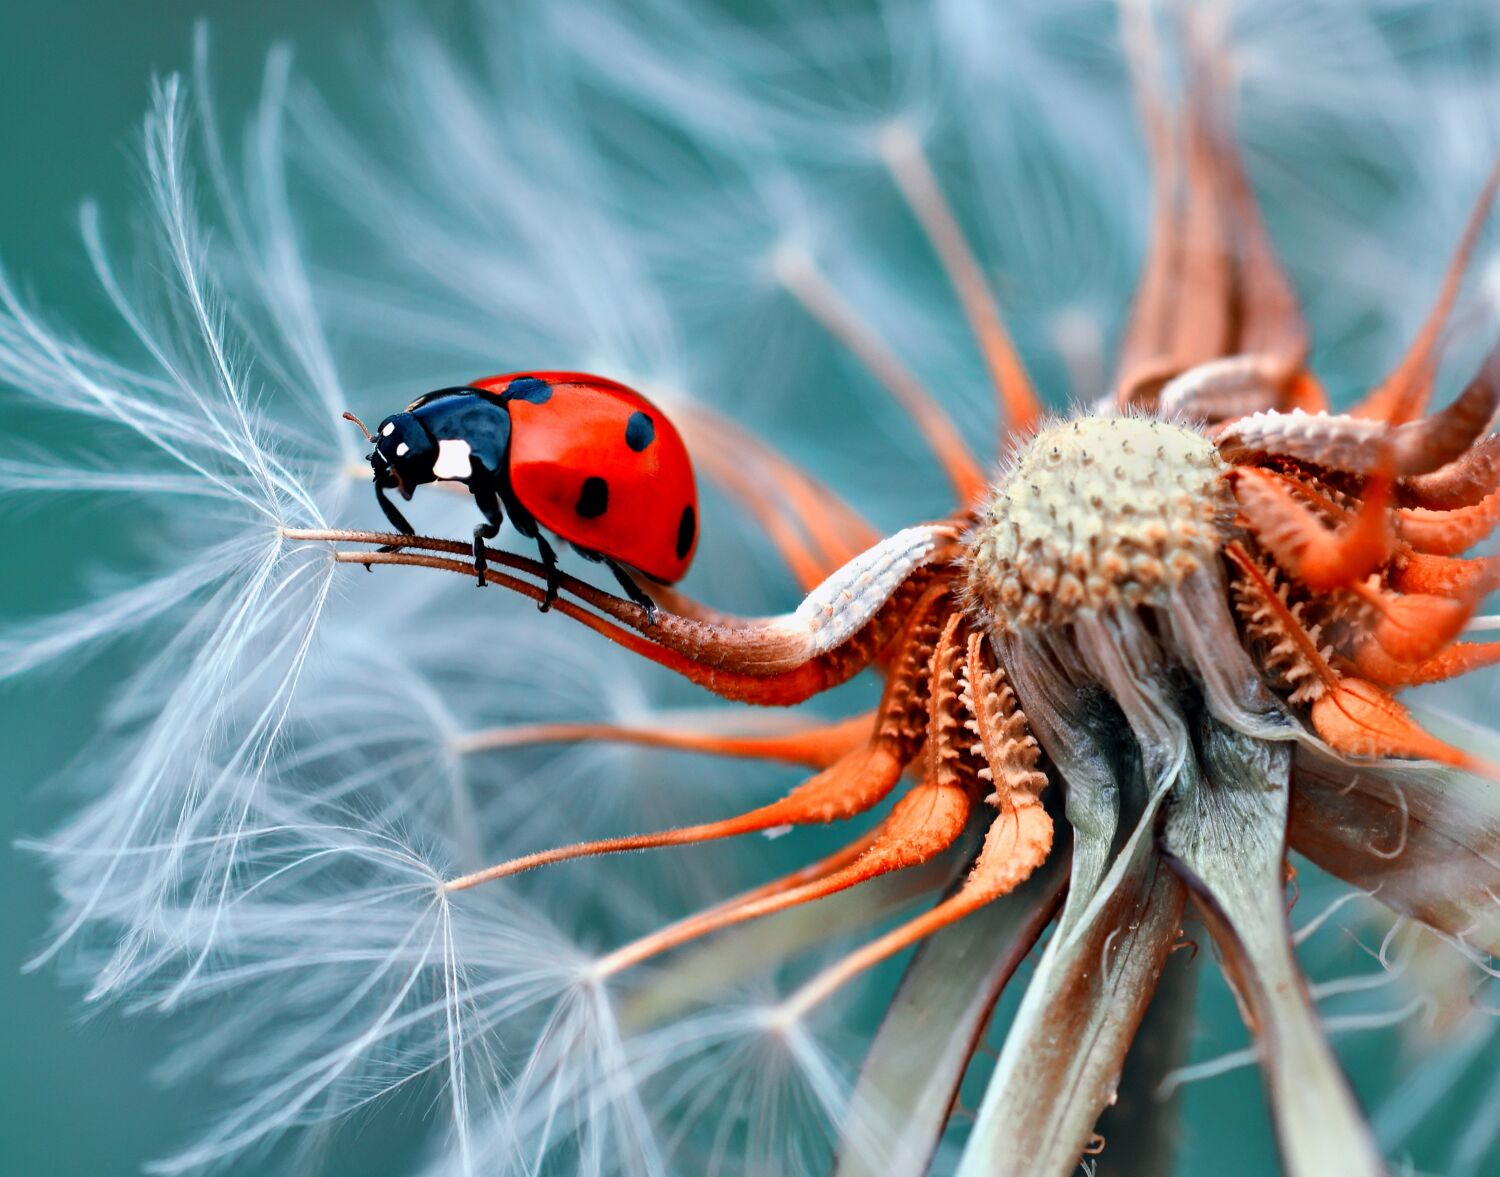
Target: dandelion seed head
{"x":1097,"y":514}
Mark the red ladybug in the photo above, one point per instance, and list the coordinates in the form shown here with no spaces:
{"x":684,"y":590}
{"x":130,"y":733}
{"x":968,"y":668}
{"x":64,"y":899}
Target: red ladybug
{"x":586,"y":458}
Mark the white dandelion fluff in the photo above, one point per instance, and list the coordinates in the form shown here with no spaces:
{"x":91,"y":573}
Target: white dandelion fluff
{"x":287,"y":817}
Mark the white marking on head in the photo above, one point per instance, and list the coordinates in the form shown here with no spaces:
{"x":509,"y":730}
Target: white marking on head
{"x":402,"y":449}
{"x":387,"y":429}
{"x":453,"y":459}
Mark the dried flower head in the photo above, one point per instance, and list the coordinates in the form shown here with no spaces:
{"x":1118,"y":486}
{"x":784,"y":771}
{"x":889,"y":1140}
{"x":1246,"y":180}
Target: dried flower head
{"x":1119,"y":680}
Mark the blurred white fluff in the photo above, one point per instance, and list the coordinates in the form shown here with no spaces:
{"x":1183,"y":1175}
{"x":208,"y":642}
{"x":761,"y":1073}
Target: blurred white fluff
{"x":230,"y":617}
{"x":281,"y":786}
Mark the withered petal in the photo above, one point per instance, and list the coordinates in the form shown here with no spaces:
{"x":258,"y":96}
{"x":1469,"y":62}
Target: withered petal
{"x":1064,"y":1052}
{"x":917,"y":1060}
{"x":1225,"y":833}
{"x":1421,"y":838}
{"x":1141,"y":1132}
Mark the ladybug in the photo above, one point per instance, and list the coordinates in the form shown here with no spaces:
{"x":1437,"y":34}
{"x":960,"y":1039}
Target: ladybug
{"x":590,"y":460}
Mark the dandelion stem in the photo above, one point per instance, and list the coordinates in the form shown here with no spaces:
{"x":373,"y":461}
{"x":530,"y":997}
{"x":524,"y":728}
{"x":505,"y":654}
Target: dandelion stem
{"x":617,"y":607}
{"x":780,"y":660}
{"x":778,"y":688}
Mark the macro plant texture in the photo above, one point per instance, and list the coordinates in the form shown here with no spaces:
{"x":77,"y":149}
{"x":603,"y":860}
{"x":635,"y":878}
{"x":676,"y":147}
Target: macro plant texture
{"x":1092,"y":407}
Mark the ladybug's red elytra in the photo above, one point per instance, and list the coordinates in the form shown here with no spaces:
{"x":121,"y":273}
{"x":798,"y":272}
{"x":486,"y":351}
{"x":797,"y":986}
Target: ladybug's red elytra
{"x":587,"y":458}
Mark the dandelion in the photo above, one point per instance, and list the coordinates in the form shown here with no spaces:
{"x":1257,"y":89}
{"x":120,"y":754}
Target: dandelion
{"x":371,"y":824}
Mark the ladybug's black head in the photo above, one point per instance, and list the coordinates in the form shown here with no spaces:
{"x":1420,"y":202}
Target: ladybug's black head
{"x":404,"y":454}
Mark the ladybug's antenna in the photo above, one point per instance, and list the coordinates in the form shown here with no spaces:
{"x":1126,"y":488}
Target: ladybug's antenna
{"x":348,"y":416}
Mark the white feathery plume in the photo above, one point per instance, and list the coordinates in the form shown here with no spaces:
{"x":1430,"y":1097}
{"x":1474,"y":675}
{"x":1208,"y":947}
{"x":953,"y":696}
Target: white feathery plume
{"x":234,"y":619}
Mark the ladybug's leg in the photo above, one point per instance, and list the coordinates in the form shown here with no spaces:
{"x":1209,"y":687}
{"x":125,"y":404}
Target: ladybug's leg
{"x":634,"y":591}
{"x":527,"y":525}
{"x":626,"y":582}
{"x":549,"y":562}
{"x":393,"y":514}
{"x":488,"y":501}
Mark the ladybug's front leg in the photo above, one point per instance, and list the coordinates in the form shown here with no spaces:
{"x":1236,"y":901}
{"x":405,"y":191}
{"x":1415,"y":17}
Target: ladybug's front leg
{"x":397,"y":520}
{"x":488,"y":500}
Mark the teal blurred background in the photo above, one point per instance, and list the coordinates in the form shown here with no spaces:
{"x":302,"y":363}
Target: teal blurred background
{"x":75,"y":1091}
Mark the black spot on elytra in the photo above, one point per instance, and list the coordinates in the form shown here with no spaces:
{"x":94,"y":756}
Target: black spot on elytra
{"x":529,"y":388}
{"x":593,"y":499}
{"x":687,"y":527}
{"x":640,"y":431}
